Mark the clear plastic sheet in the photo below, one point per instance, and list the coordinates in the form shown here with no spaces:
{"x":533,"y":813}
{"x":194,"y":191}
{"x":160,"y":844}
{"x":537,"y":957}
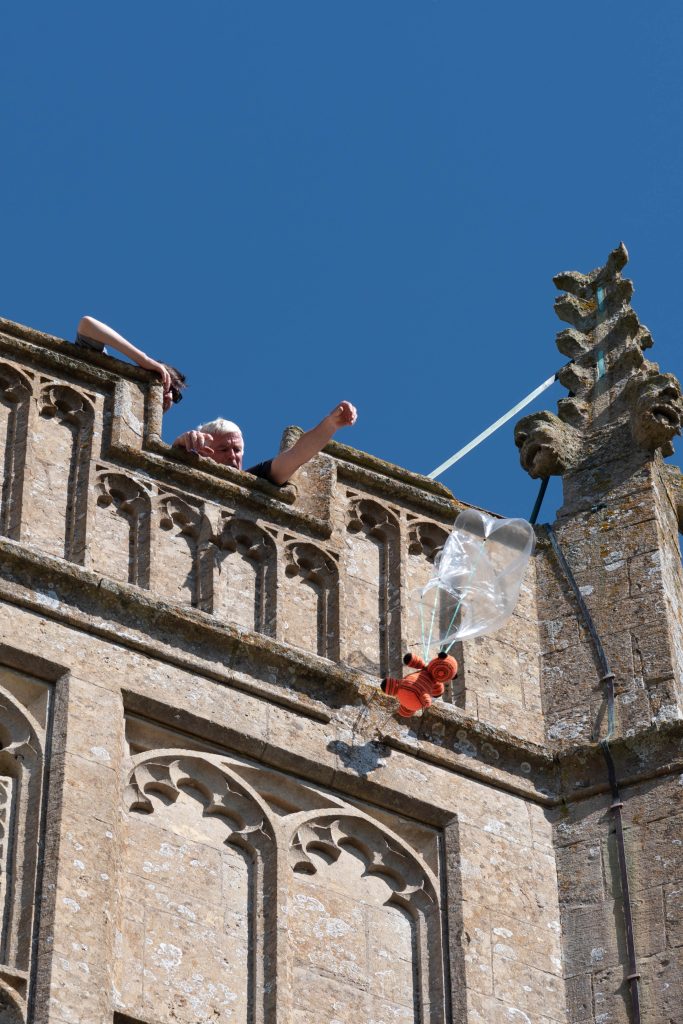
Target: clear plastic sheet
{"x":476,"y":582}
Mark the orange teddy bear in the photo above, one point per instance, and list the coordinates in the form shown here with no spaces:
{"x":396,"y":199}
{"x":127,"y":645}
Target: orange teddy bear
{"x":416,"y":690}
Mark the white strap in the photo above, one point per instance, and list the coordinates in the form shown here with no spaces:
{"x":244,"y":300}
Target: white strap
{"x":492,"y":429}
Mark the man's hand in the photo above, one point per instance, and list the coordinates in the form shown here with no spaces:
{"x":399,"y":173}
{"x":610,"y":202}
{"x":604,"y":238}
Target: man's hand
{"x":343,"y":415}
{"x":196,"y":442}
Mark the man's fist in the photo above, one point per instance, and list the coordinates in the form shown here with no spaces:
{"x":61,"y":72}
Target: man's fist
{"x":343,"y":415}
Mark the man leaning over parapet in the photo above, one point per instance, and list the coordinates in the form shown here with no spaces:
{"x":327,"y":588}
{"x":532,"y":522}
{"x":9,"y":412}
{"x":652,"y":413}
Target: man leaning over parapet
{"x":222,"y":441}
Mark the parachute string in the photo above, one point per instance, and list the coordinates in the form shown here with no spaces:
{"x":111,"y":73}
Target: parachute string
{"x":431,"y":628}
{"x":462,"y":596}
{"x":422,"y":633}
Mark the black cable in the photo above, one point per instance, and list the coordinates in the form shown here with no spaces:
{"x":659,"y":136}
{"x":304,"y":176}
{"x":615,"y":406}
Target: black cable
{"x":633,"y":976}
{"x":539,"y":500}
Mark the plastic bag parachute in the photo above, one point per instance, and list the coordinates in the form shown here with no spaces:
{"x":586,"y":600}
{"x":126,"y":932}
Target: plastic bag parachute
{"x":476,"y":582}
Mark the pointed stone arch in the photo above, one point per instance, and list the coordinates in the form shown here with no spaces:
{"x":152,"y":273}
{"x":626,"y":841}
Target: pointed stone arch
{"x":317,"y":571}
{"x":129,"y":499}
{"x":12,"y":1006}
{"x":21,"y":783}
{"x":15,"y":394}
{"x":204,"y":789}
{"x":373,"y":601}
{"x":60,"y":467}
{"x":317,"y":841}
{"x":181,"y":560}
{"x":246,"y":566}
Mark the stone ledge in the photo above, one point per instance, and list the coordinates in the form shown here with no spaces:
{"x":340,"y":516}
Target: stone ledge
{"x":316,"y":688}
{"x":252,"y":662}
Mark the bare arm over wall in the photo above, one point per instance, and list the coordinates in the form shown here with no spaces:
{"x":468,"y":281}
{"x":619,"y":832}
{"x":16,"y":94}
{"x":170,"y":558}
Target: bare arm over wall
{"x":310,"y":443}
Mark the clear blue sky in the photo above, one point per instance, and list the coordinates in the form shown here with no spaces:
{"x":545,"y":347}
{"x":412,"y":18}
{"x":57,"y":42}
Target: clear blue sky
{"x":299,"y":201}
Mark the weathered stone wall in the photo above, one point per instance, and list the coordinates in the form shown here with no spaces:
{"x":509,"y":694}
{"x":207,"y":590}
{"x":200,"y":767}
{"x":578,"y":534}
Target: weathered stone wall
{"x":208,"y":809}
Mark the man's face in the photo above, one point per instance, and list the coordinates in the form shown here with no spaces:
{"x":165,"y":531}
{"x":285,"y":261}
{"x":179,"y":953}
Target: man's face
{"x":228,"y":450}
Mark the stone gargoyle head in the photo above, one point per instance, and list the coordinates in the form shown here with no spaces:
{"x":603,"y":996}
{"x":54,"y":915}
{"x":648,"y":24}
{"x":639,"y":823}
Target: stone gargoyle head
{"x":547,"y":446}
{"x":656,"y":405}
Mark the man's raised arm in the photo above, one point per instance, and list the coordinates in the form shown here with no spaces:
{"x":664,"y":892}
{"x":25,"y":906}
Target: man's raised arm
{"x":310,"y":443}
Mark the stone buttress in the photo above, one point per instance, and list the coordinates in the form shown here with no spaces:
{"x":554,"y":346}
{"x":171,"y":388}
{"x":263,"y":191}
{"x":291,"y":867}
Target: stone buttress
{"x":619,"y":532}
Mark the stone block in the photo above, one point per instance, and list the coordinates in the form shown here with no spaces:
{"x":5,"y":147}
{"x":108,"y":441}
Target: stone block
{"x":673,"y":901}
{"x":579,"y":991}
{"x":662,"y":987}
{"x":483,"y":1009}
{"x":580,"y":874}
{"x":655,"y":853}
{"x":80,"y":989}
{"x":328,"y":935}
{"x":532,"y":991}
{"x":492,"y":866}
{"x":535,"y":947}
{"x":476,"y":947}
{"x":591,"y":938}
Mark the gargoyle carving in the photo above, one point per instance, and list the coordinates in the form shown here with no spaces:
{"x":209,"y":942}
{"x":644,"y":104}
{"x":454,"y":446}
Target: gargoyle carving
{"x":547,"y":446}
{"x":656,"y":405}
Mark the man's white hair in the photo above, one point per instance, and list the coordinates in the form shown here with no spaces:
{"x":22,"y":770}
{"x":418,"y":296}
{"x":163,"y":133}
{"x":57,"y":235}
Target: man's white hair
{"x":219,"y":427}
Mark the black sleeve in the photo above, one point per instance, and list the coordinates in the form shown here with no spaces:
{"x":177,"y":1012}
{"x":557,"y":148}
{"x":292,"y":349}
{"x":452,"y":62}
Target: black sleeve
{"x":262,"y":470}
{"x":83,"y":341}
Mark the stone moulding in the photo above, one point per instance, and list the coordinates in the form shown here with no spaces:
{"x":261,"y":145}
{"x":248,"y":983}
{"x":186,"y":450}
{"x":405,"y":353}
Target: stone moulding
{"x":446,"y":737}
{"x":187,"y":637}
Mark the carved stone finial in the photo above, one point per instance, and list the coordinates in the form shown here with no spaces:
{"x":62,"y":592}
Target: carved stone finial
{"x":620,"y":409}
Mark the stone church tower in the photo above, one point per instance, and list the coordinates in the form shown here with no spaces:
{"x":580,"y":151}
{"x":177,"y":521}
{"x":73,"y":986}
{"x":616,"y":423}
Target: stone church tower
{"x":209,"y":812}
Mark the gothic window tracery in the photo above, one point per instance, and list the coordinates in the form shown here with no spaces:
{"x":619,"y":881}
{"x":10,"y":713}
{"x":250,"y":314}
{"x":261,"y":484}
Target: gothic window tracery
{"x":60,"y":465}
{"x":315,"y":610}
{"x":245,"y":591}
{"x":373,"y":601}
{"x":130,"y":501}
{"x":15,"y":392}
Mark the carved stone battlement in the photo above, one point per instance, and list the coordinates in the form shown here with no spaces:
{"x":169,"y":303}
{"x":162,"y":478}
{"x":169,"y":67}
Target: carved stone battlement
{"x":328,"y":564}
